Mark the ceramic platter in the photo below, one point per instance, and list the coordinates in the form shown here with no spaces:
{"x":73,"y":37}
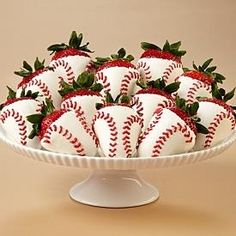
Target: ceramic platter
{"x":114,"y":182}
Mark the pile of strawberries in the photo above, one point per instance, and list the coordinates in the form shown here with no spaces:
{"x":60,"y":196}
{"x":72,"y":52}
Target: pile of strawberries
{"x":111,"y":107}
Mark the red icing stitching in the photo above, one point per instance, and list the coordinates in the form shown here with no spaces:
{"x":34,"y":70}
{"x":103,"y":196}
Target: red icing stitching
{"x":104,"y":81}
{"x":70,"y":104}
{"x":191,"y":95}
{"x":137,"y":105}
{"x":67,"y":135}
{"x":127,"y":132}
{"x":155,"y":120}
{"x":215,"y":123}
{"x":41,"y":85}
{"x":125,"y":83}
{"x":146,"y":69}
{"x":20,"y":122}
{"x":87,"y":128}
{"x":160,"y":142}
{"x":113,"y":131}
{"x":68,"y":69}
{"x":170,"y":69}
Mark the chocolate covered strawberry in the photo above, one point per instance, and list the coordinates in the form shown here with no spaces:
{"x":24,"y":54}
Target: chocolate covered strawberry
{"x":171,"y":131}
{"x":39,"y":79}
{"x":116,"y":73}
{"x":217,"y":116}
{"x":82,"y":95}
{"x":13,"y":117}
{"x":70,"y":60}
{"x":198,"y":82}
{"x":161,"y":63}
{"x":154,"y":94}
{"x":64,"y":131}
{"x":117,"y":127}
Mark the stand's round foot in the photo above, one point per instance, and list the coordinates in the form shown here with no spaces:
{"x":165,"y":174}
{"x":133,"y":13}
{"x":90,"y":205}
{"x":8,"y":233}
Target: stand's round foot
{"x":114,"y":189}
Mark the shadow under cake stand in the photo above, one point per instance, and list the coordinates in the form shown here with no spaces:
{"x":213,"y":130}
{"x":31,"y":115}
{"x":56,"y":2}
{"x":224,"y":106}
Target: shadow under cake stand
{"x":114,"y":182}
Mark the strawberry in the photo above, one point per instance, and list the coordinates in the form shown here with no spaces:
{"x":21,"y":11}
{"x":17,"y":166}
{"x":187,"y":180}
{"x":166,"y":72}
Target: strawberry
{"x":153,"y":94}
{"x":82,"y":95}
{"x":217,"y":116}
{"x":43,"y":80}
{"x":161,"y":63}
{"x":64,"y":131}
{"x":71,"y":59}
{"x":116,"y":73}
{"x":117,"y":127}
{"x":198,"y":82}
{"x":171,"y":130}
{"x":13,"y":117}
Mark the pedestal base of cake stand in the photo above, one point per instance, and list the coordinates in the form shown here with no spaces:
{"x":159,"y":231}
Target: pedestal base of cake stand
{"x":114,"y":189}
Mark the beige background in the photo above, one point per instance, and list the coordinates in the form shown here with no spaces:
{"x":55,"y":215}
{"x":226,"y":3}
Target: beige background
{"x":195,"y":200}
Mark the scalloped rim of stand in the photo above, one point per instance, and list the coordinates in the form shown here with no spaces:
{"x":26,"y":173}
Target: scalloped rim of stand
{"x":118,"y":163}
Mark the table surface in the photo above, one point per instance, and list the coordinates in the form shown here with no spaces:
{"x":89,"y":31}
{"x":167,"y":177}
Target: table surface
{"x":194,"y":200}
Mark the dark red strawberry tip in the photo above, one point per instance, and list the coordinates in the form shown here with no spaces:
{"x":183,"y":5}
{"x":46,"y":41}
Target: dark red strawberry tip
{"x":199,"y":76}
{"x":81,"y":92}
{"x":184,"y":116}
{"x":116,"y":63}
{"x":27,"y":79}
{"x":48,"y":120}
{"x":69,"y":52}
{"x":154,"y":53}
{"x":155,"y":91}
{"x":13,"y":100}
{"x":218,"y":102}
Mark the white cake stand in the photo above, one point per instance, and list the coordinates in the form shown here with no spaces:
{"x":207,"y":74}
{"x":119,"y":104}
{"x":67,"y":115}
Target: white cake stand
{"x":114,"y":182}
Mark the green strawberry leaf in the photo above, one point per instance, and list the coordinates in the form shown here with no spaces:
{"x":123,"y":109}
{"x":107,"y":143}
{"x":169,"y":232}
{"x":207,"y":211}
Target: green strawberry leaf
{"x":27,"y":66}
{"x":229,"y":95}
{"x":35,"y":118}
{"x":171,"y":88}
{"x":121,"y":53}
{"x":11,"y":93}
{"x":201,"y":128}
{"x":207,"y":63}
{"x":146,"y":46}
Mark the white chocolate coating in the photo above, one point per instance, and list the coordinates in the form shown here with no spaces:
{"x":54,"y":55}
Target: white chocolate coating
{"x":155,"y":68}
{"x":190,"y":89}
{"x":14,"y":123}
{"x":118,"y":80}
{"x":166,"y":134}
{"x":219,"y":121}
{"x":47,"y":84}
{"x":69,"y":134}
{"x":86,"y":104}
{"x":117,"y":129}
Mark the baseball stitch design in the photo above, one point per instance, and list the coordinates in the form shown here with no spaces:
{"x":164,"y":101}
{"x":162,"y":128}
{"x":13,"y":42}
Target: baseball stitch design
{"x":167,"y":72}
{"x":125,"y":83}
{"x":87,"y":128}
{"x":137,"y":105}
{"x":155,"y":121}
{"x":160,"y":142}
{"x":19,"y":121}
{"x":41,"y":85}
{"x":104,"y":81}
{"x":191,"y":95}
{"x":90,"y":67}
{"x":67,"y":135}
{"x":65,"y":65}
{"x":69,"y":104}
{"x":127,"y":132}
{"x":166,"y":103}
{"x":113,"y":131}
{"x":215,"y":123}
{"x":146,"y":69}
